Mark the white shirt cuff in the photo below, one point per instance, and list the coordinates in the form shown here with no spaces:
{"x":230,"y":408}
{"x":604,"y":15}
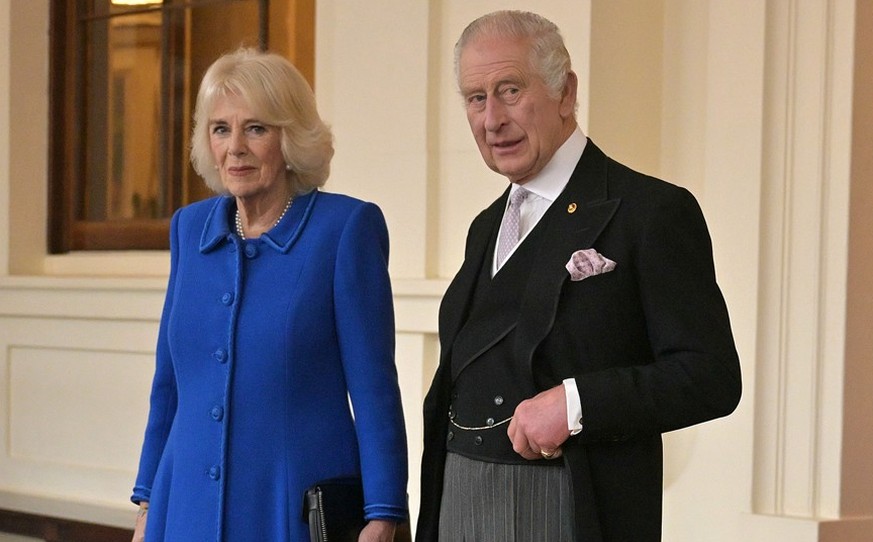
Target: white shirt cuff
{"x":574,"y":406}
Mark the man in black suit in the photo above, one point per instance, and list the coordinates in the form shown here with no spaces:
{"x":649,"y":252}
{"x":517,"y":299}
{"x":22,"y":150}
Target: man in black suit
{"x":584,"y":322}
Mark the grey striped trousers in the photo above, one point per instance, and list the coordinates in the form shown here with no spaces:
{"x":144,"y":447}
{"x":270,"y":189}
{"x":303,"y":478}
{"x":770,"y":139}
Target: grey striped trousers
{"x":495,"y":502}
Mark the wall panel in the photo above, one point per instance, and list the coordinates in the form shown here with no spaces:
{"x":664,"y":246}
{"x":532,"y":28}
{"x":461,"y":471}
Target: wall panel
{"x":76,"y":408}
{"x":73,"y":404}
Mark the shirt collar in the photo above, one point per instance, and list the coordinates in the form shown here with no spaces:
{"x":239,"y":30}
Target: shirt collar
{"x":550,"y":182}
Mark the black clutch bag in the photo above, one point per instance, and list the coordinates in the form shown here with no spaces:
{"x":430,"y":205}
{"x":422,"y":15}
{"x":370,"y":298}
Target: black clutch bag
{"x":334,"y":510}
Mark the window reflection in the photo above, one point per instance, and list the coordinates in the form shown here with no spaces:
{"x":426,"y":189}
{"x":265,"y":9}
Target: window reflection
{"x":131,"y":188}
{"x":124,"y":79}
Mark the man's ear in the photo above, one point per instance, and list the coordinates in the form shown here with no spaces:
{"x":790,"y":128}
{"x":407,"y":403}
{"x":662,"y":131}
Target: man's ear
{"x":568,"y":95}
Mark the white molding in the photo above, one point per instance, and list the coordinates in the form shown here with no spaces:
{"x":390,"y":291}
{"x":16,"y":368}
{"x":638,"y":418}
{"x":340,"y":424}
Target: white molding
{"x":803,"y":260}
{"x":416,"y":301}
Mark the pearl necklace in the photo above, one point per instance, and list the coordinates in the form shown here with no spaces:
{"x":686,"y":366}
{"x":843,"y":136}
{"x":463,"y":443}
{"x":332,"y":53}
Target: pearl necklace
{"x":238,"y":222}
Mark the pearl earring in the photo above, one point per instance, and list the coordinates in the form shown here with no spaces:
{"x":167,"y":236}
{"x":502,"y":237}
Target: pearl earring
{"x":287,"y":167}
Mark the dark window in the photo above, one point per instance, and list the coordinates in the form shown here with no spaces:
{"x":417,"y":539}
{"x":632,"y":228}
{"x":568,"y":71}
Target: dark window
{"x":124,"y":76}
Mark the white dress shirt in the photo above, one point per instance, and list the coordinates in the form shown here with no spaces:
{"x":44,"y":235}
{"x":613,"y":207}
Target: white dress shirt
{"x":544,"y":189}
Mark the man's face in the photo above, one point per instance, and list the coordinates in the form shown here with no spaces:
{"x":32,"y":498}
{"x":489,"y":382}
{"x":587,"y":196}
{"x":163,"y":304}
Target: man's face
{"x":517,"y":125}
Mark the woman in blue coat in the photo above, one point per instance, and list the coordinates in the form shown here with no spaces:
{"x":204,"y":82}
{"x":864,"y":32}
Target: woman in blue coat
{"x":278,"y":315}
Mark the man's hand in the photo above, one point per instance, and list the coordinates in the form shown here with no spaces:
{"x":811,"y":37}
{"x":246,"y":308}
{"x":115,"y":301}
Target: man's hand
{"x":539,"y":425}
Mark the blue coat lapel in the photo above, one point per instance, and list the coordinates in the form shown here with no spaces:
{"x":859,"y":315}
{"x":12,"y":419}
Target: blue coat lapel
{"x":281,"y":238}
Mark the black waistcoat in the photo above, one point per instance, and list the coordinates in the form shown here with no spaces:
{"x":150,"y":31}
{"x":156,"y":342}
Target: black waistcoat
{"x":487,"y":389}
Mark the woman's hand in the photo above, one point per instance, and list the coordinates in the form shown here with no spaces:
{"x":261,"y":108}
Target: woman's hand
{"x":141,"y":517}
{"x":378,"y":530}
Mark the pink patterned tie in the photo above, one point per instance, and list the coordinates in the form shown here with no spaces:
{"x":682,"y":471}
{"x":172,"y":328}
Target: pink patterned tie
{"x":509,"y":228}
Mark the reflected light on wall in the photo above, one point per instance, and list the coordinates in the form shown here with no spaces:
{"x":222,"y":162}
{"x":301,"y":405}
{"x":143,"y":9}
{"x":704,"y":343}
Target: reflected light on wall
{"x":136,"y":2}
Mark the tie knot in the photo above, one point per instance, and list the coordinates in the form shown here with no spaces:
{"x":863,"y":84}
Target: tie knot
{"x":518,"y":196}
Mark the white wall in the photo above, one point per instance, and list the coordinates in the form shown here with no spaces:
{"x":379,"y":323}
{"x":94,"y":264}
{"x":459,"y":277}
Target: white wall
{"x":748,"y":104}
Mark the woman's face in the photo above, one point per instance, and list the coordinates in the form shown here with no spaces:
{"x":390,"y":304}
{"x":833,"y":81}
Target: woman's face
{"x":248,"y":152}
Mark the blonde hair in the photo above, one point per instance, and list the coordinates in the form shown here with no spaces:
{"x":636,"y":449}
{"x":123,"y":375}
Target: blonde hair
{"x":549,"y":56}
{"x":280,"y":96}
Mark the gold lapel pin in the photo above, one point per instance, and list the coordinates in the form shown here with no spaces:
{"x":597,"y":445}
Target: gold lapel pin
{"x":571,"y":208}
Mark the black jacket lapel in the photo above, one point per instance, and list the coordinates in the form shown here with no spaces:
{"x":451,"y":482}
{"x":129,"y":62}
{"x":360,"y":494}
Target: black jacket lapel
{"x":575,"y":221}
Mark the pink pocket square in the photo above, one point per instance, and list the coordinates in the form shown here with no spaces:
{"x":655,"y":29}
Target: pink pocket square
{"x":588,"y":262}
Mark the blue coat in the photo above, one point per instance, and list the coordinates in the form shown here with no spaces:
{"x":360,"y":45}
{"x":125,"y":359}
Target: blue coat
{"x":262,"y":343}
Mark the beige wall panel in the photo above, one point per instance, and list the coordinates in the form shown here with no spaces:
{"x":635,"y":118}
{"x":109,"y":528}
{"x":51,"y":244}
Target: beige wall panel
{"x":857,"y":491}
{"x":627,"y":57}
{"x":5,"y":86}
{"x":415,"y":355}
{"x":77,"y":408}
{"x":371,"y":85}
{"x":73,"y":405}
{"x":28,"y":70}
{"x":804,"y":229}
{"x":416,"y":304}
{"x":683,"y":109}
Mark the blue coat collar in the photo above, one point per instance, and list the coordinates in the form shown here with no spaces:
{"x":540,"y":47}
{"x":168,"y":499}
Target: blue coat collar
{"x":281,"y":238}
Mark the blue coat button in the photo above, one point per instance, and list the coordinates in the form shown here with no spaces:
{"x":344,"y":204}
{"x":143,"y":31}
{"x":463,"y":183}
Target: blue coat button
{"x":227,"y":298}
{"x":251,"y":251}
{"x":215,"y":472}
{"x":217,"y":413}
{"x":220,"y":355}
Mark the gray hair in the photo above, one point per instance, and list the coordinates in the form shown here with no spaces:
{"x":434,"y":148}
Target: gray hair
{"x":280,"y":96}
{"x":549,"y":56}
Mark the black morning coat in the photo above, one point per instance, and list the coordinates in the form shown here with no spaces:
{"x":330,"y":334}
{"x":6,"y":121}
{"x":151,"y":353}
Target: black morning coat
{"x":649,"y":343}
